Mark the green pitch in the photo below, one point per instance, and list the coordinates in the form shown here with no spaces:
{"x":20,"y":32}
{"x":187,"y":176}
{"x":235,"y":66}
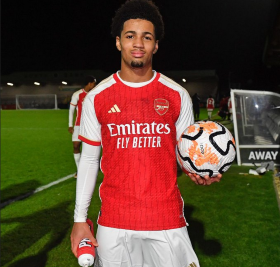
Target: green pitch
{"x":233,"y":223}
{"x":36,"y":149}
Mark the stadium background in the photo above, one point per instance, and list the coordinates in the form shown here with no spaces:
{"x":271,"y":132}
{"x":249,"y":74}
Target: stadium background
{"x":232,"y":44}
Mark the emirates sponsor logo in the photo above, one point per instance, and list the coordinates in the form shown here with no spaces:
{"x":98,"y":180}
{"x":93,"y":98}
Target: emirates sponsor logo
{"x":161,"y":106}
{"x":138,"y":128}
{"x":148,"y":134}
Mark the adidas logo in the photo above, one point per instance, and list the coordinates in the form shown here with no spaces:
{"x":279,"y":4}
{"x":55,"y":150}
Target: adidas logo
{"x":114,"y":109}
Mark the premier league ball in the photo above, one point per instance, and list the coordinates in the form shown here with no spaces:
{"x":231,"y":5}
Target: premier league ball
{"x":206,"y":148}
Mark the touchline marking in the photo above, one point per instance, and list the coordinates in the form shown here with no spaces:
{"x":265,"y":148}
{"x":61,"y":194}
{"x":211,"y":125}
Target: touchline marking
{"x":39,"y":189}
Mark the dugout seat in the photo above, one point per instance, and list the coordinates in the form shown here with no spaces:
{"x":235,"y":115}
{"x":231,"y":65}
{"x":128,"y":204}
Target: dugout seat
{"x":272,"y":123}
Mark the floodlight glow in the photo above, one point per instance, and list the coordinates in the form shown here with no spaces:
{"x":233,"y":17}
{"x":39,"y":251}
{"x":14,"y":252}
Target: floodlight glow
{"x":10,"y":84}
{"x":256,"y":106}
{"x":64,"y":82}
{"x":184,"y":80}
{"x":36,"y":83}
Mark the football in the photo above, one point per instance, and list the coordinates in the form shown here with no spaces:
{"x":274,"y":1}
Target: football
{"x":206,"y":148}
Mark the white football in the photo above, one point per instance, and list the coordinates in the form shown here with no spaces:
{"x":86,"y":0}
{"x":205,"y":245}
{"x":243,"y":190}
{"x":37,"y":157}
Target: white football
{"x":206,"y":148}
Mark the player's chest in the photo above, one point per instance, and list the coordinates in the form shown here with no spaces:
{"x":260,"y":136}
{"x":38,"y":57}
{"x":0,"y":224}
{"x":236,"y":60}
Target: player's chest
{"x":140,"y":105}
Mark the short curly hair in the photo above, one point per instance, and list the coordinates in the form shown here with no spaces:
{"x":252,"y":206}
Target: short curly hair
{"x":138,"y":9}
{"x":89,"y":79}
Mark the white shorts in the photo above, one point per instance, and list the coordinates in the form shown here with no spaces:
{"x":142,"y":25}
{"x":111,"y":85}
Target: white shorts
{"x":76,"y":134}
{"x":128,"y":248}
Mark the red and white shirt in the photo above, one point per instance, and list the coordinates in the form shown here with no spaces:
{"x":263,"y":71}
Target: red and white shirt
{"x":138,"y":125}
{"x":210,"y":103}
{"x":229,"y":104}
{"x":77,"y":101}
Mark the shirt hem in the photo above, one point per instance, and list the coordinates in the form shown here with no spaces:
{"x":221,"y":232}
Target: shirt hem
{"x":147,"y":228}
{"x":90,"y":142}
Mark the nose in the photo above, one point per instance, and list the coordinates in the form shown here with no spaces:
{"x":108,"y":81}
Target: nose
{"x":138,"y":42}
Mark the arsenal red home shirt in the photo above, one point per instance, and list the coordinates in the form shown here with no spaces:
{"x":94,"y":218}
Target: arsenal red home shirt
{"x":138,"y":125}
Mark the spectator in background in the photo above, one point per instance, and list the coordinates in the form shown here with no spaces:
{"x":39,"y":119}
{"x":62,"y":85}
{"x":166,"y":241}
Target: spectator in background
{"x":210,"y":105}
{"x":223,"y":108}
{"x":229,"y":109}
{"x":196,"y":106}
{"x":76,"y":103}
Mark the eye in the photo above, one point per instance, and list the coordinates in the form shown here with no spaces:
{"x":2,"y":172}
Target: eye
{"x":129,"y":36}
{"x":148,"y":37}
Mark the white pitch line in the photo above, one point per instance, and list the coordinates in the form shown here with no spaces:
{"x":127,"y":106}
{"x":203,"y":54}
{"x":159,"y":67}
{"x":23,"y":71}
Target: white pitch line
{"x":41,"y":188}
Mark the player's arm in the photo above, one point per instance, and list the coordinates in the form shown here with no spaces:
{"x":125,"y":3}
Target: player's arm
{"x":90,"y":129}
{"x":86,"y":181}
{"x":71,"y":115}
{"x":73,"y":104}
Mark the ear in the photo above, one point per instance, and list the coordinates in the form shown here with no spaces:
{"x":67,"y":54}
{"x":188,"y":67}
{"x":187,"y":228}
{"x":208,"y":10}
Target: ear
{"x":118,"y":43}
{"x":156,"y":47}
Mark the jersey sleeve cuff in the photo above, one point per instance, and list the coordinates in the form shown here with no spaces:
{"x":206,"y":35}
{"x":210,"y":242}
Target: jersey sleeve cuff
{"x":80,"y":220}
{"x":90,"y":142}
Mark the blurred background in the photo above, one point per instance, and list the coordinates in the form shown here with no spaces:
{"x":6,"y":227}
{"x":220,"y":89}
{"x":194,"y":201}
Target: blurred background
{"x":209,"y":46}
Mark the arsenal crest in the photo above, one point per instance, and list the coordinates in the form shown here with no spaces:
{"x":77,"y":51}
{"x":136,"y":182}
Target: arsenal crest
{"x":161,"y":106}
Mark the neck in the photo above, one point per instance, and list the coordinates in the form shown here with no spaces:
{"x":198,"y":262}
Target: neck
{"x":86,"y":88}
{"x":136,"y":75}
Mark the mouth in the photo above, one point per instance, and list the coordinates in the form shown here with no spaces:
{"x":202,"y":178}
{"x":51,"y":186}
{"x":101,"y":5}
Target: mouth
{"x":137,"y":54}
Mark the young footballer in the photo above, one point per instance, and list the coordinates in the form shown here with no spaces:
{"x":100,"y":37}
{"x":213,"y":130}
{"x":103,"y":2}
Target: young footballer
{"x":137,"y":116}
{"x":77,"y":103}
{"x":210,"y":105}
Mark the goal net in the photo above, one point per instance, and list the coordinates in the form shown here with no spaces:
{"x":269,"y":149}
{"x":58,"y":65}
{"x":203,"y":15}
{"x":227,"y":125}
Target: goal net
{"x":47,"y":101}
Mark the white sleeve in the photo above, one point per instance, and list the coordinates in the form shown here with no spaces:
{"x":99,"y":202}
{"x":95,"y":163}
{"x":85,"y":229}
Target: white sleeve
{"x":186,"y":117}
{"x":71,"y":114}
{"x":87,"y":175}
{"x":90,"y":128}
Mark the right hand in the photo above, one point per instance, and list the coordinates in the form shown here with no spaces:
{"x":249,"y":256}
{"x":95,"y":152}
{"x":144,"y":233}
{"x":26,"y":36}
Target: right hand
{"x":80,"y":231}
{"x":71,"y":130}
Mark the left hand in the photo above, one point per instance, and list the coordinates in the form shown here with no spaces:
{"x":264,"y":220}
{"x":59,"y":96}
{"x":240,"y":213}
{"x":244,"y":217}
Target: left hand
{"x":71,"y":130}
{"x":206,"y":180}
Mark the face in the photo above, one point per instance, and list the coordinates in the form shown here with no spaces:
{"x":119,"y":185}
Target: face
{"x":137,"y":43}
{"x":91,"y":85}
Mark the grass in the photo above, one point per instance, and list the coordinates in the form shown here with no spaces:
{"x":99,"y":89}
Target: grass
{"x":235,"y":222}
{"x":232,"y":223}
{"x":36,"y":149}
